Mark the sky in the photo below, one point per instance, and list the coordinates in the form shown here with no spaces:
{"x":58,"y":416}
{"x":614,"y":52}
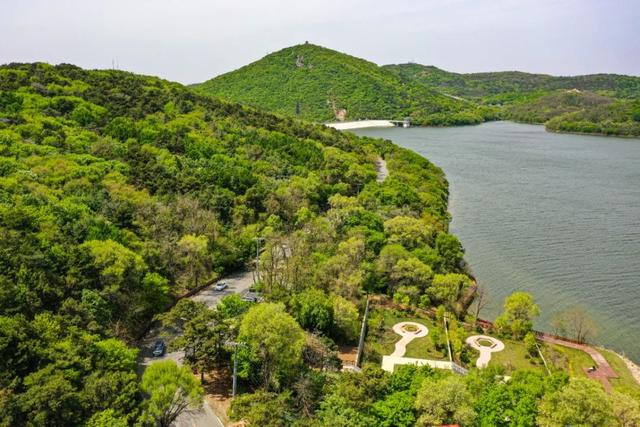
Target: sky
{"x":193,"y":40}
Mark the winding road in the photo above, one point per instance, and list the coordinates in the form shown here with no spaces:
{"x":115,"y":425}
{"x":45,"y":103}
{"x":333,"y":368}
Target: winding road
{"x":204,"y":417}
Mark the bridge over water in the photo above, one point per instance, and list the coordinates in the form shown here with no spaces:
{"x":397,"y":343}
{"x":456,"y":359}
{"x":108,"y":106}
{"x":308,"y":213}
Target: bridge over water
{"x":360,"y":124}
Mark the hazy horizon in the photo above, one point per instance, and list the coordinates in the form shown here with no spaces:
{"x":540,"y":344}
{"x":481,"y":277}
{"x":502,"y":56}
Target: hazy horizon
{"x":192,"y":41}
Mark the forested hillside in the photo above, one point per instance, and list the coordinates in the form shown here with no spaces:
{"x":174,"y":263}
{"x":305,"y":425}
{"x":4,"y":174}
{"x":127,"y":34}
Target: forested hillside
{"x":600,"y":103}
{"x":482,"y":85}
{"x":119,"y":192}
{"x":320,"y":84}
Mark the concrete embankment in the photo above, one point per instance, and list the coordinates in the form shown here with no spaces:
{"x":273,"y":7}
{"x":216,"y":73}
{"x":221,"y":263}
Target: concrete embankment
{"x":360,"y":124}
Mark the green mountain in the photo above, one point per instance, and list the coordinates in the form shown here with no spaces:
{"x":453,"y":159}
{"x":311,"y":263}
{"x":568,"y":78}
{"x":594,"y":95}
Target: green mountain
{"x":319,"y":84}
{"x":120,"y":192}
{"x":600,"y":103}
{"x":486,"y":85}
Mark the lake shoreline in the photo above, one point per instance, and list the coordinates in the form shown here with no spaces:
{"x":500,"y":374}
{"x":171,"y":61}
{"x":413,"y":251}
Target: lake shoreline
{"x":371,"y":124}
{"x":491,"y":155}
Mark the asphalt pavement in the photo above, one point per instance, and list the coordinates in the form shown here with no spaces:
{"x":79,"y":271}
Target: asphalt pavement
{"x":238,"y":283}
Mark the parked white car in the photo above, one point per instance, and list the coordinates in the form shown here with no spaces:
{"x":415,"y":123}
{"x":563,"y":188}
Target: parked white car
{"x":220,"y":286}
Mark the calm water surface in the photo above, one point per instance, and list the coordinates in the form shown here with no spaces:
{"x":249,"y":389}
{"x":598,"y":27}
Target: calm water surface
{"x":554,"y":215}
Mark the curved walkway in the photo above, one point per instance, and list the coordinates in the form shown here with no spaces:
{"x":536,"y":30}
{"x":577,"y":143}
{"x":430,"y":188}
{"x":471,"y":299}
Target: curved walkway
{"x":603,"y":372}
{"x":404,"y":329}
{"x":485,"y":350}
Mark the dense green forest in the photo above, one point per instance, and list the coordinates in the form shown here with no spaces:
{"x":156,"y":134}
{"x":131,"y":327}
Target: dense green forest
{"x":606,"y":104}
{"x":320,"y":84}
{"x":120,"y":192}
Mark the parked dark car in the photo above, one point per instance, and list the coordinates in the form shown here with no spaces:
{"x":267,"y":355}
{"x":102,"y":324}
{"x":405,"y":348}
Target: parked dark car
{"x":220,"y":286}
{"x":252,"y":296}
{"x":159,"y":348}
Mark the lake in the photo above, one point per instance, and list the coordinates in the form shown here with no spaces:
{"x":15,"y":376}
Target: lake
{"x":552,"y":214}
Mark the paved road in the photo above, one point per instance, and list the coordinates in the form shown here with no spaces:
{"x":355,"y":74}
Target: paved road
{"x":205,"y":417}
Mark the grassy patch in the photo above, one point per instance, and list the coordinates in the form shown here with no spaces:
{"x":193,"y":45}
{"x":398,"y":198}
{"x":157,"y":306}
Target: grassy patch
{"x":514,"y":356}
{"x":626,"y":380}
{"x":381,"y":339}
{"x":571,"y":360}
{"x":485,"y":342}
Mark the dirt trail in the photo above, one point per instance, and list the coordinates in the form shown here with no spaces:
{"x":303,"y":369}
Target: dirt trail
{"x":381,"y":168}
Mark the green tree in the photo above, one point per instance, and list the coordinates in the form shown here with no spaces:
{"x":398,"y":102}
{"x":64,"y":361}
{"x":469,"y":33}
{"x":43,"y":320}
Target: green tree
{"x":274,"y":341}
{"x":203,"y":333}
{"x":232,"y":306}
{"x":346,"y":318}
{"x":517,"y":316}
{"x":118,"y":266}
{"x":407,"y":231}
{"x":581,"y":402}
{"x":107,"y":418}
{"x":51,"y":398}
{"x":625,"y":409}
{"x":530,"y":344}
{"x":194,"y":257}
{"x":396,"y":410}
{"x":262,"y":409}
{"x":313,"y":310}
{"x":203,"y":341}
{"x":451,"y":251}
{"x":169,"y":390}
{"x":121,"y":128}
{"x":337,"y":411}
{"x":115,"y":390}
{"x":514,"y":402}
{"x":411,"y":272}
{"x":448,"y":288}
{"x":444,"y":401}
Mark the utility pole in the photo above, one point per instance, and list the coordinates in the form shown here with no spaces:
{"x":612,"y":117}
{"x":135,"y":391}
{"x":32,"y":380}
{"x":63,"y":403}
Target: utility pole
{"x":235,"y":371}
{"x":235,"y":345}
{"x":446,"y":331}
{"x":363,"y":331}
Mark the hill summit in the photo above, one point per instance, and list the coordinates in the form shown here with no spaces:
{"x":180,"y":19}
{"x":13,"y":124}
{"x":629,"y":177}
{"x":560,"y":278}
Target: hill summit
{"x":320,"y":84}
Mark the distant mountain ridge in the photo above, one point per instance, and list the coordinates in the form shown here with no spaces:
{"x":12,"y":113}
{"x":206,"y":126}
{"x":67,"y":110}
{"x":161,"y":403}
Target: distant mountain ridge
{"x":478,"y":85}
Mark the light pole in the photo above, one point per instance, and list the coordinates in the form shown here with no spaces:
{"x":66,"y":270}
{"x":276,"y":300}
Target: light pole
{"x":446,"y":331}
